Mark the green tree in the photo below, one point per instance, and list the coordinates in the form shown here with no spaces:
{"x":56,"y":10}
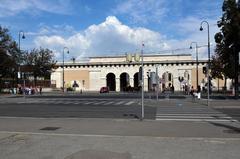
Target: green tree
{"x":40,"y":62}
{"x":9,"y":55}
{"x":228,"y":40}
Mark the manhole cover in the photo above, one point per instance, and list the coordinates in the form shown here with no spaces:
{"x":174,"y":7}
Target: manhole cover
{"x":50,"y":128}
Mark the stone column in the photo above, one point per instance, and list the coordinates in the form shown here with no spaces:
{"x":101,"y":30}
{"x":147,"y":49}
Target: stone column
{"x":131,"y":81}
{"x":117,"y":84}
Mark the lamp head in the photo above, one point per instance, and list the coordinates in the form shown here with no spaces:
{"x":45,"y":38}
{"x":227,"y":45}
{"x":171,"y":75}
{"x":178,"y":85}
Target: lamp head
{"x":68,"y":51}
{"x":23,"y":36}
{"x":201,"y":28}
{"x":190,"y":47}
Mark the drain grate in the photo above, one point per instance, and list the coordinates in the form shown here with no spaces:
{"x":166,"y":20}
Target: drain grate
{"x":50,"y":128}
{"x":131,"y":115}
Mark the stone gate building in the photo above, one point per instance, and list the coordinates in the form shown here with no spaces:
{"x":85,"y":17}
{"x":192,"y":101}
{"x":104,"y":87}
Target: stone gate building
{"x":121,"y":72}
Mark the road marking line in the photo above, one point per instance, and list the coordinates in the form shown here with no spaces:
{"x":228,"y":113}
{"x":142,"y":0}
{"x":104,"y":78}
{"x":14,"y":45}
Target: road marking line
{"x":129,"y":103}
{"x":118,"y":103}
{"x":67,"y":102}
{"x":206,"y":120}
{"x":88,"y":102}
{"x":193,"y":117}
{"x":192,"y":114}
{"x":108,"y":103}
{"x":114,"y":136}
{"x":97,"y":103}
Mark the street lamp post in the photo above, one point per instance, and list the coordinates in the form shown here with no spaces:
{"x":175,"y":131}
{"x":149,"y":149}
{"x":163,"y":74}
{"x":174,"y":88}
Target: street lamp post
{"x":196,"y":61}
{"x":65,"y":48}
{"x":19,"y":48}
{"x":208,"y":66}
{"x":142,"y":84}
{"x":157,"y":79}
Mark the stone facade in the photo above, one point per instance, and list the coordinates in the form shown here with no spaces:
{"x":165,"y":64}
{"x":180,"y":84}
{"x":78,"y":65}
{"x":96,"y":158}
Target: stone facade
{"x":119,"y":72}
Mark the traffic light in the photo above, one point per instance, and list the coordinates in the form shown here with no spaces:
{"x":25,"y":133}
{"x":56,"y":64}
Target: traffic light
{"x":140,"y":73}
{"x":204,"y":70}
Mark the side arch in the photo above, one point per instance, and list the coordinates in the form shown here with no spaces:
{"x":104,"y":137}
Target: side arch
{"x":111,"y":81}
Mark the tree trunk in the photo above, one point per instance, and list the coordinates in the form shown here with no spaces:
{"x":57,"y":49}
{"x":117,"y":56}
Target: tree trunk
{"x":236,"y":75}
{"x":35,"y":80}
{"x":225,"y":84}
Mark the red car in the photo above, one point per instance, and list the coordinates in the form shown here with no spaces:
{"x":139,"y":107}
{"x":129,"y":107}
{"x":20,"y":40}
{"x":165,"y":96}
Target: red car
{"x":104,"y":90}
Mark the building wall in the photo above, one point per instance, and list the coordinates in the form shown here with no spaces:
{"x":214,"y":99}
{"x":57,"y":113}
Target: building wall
{"x":80,"y":76}
{"x":146,"y":58}
{"x":94,"y":74}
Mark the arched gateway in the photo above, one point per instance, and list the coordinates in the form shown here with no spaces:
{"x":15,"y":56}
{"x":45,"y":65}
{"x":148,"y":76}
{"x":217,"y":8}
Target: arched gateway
{"x":136,"y":82}
{"x":111,"y":81}
{"x":124,"y":81}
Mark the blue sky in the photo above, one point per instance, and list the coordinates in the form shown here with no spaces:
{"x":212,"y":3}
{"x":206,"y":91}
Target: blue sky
{"x":110,"y":27}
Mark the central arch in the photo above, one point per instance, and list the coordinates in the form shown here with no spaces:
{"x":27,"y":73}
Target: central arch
{"x":124,"y":81}
{"x":136,"y":81}
{"x":111,"y":81}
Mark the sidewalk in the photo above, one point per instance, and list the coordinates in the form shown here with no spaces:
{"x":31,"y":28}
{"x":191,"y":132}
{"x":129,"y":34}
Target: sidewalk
{"x":22,"y":138}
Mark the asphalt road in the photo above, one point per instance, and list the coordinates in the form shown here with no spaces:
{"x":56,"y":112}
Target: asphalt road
{"x":233,"y":112}
{"x":75,"y":108}
{"x":120,"y":106}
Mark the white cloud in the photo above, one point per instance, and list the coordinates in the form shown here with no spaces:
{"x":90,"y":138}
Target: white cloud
{"x":109,"y":37}
{"x":13,"y":7}
{"x":64,"y":30}
{"x":142,"y":11}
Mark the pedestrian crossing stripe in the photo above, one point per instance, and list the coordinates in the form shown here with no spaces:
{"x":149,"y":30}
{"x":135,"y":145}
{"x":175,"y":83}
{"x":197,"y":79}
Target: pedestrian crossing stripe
{"x":118,"y":103}
{"x":108,"y":103}
{"x":195,"y":117}
{"x":217,"y":117}
{"x":198,"y":120}
{"x":89,"y":103}
{"x":97,"y":103}
{"x":192,"y":114}
{"x":129,"y":103}
{"x":75,"y":102}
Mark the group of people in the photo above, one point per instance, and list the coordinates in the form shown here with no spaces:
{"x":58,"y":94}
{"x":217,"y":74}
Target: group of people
{"x":196,"y":93}
{"x":169,"y":88}
{"x":29,"y":90}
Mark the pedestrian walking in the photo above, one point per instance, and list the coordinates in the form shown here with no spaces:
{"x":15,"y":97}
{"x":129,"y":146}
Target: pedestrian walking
{"x":191,"y":91}
{"x":40,"y":90}
{"x":199,"y":92}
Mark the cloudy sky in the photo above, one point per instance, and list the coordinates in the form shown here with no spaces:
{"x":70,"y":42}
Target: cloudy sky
{"x":111,"y":27}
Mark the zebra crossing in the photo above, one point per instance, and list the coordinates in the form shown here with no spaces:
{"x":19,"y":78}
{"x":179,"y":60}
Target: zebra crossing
{"x":69,"y":101}
{"x":191,"y":113}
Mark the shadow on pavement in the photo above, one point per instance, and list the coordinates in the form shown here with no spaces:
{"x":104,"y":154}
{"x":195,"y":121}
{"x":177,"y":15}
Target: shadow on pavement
{"x":230,"y":128}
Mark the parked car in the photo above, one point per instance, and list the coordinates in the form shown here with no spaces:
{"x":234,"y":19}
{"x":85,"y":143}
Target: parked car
{"x":104,"y":90}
